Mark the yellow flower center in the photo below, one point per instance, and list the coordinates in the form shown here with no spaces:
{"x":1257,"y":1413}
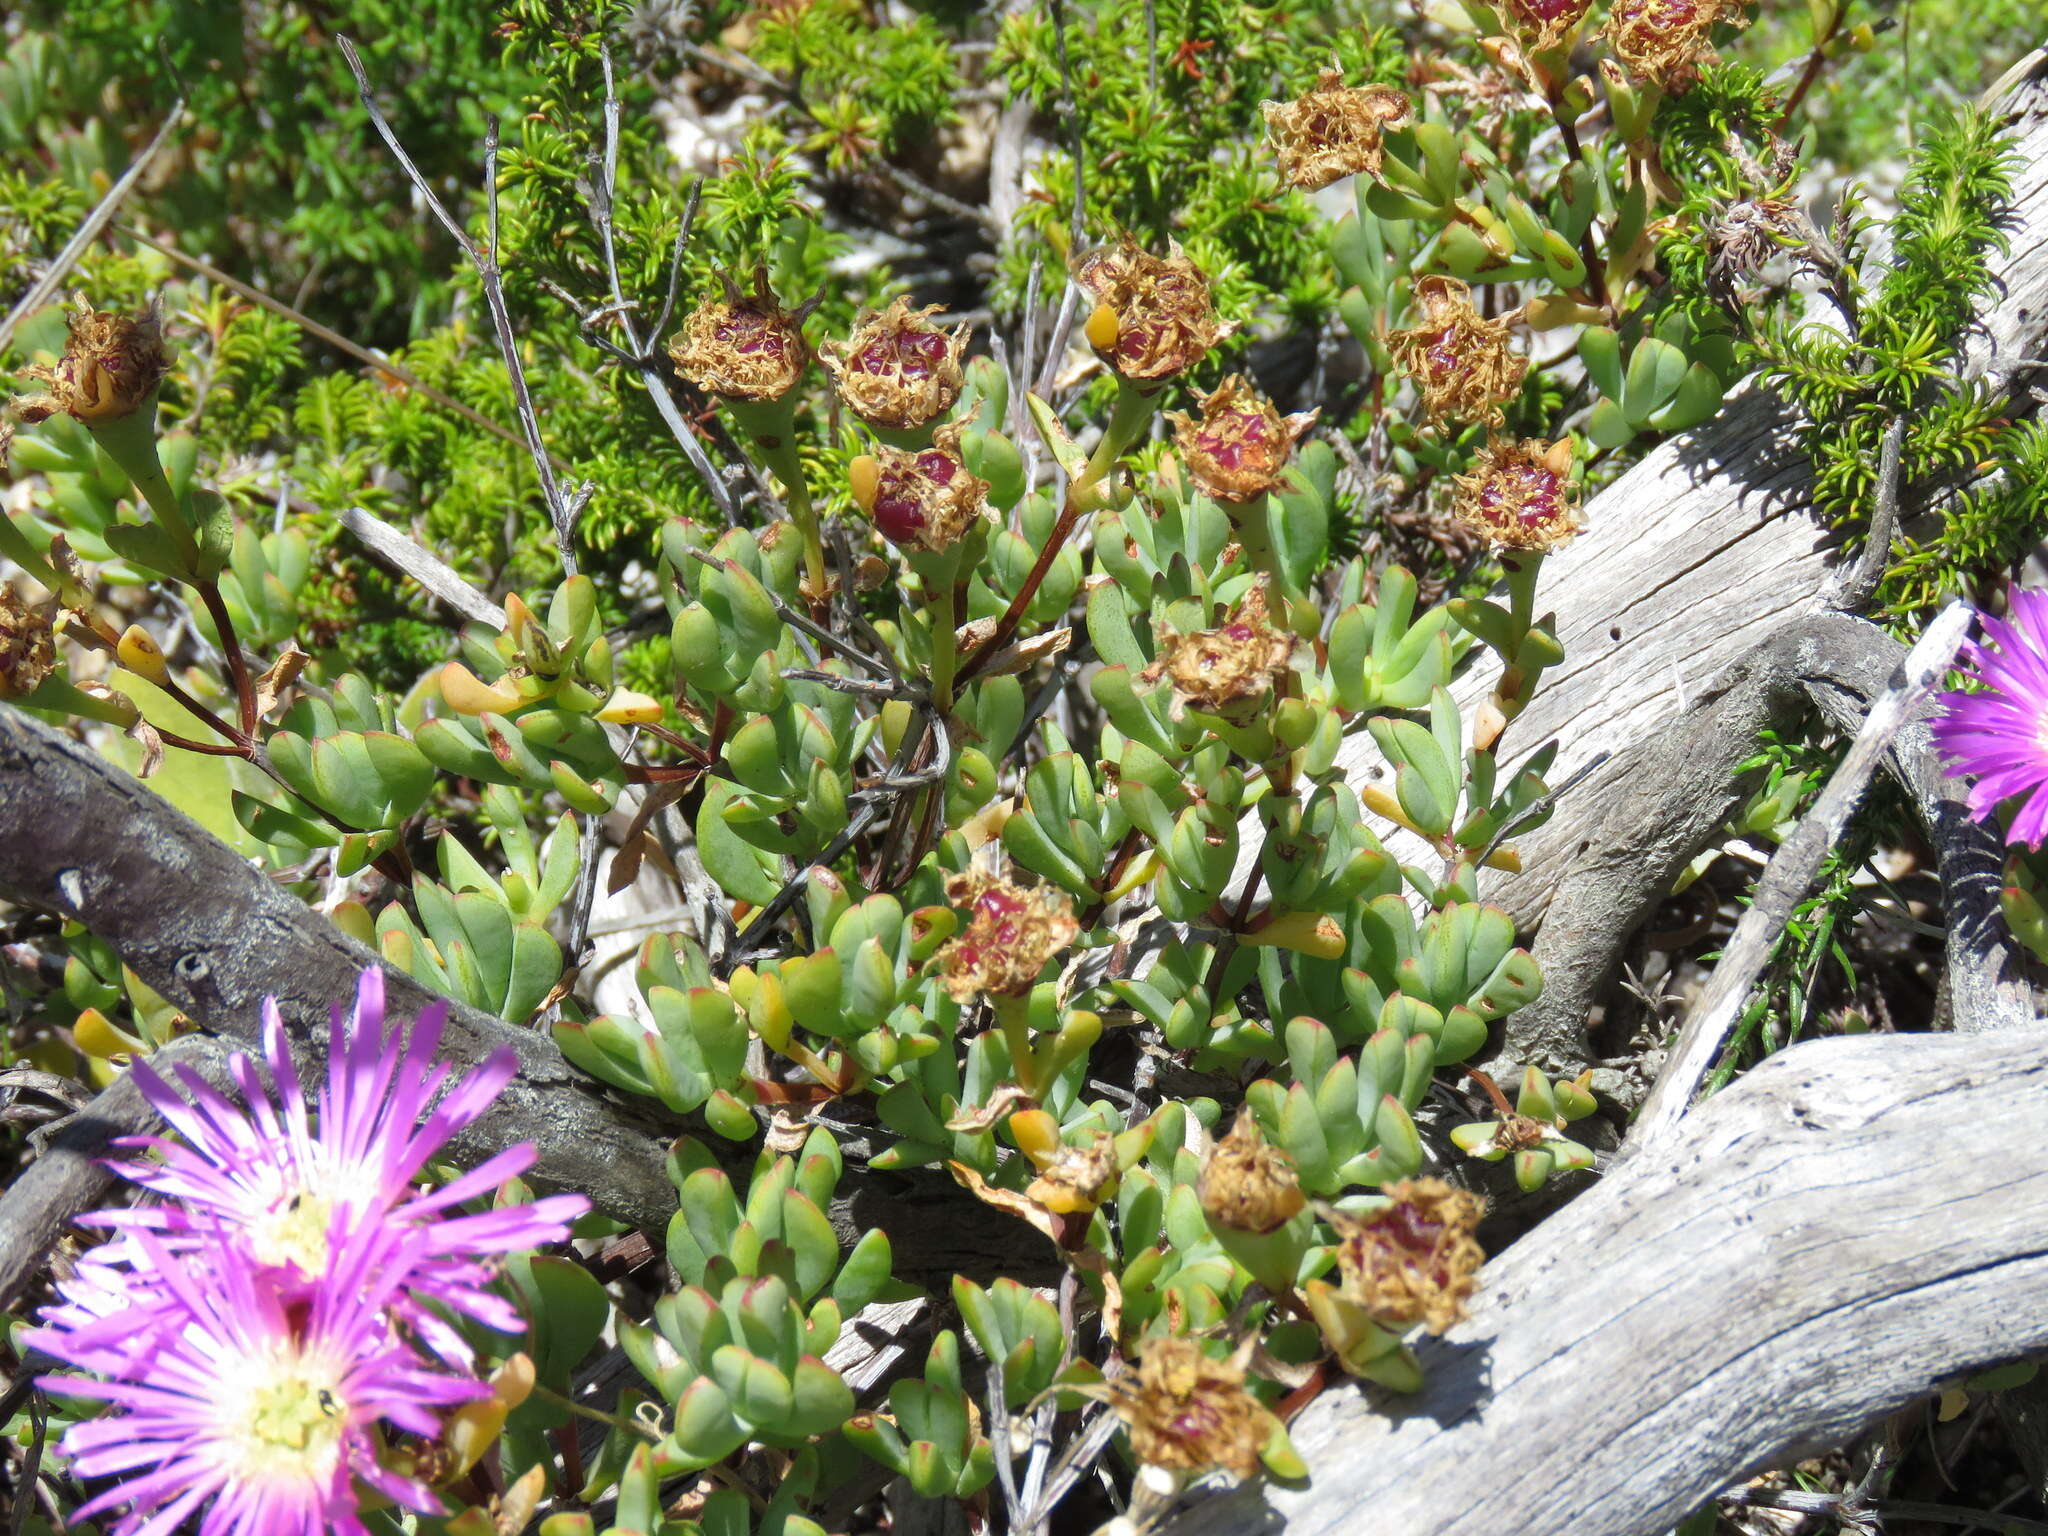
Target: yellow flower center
{"x":282,"y":1415}
{"x":293,"y":1232}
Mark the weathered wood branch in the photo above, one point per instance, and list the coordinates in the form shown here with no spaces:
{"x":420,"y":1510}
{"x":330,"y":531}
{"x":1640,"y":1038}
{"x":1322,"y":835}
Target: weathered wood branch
{"x":1852,"y":1223}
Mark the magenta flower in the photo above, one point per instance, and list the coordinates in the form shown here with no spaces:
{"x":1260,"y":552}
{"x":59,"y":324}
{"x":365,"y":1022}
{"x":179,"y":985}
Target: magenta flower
{"x":2000,"y":734}
{"x":227,"y":1394}
{"x":293,"y":1188}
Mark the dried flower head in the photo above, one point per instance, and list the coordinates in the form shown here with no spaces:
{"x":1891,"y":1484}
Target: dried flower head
{"x":1748,"y":233}
{"x":1153,"y":318}
{"x":1520,"y":495}
{"x":1334,"y":131}
{"x":1249,"y":1185}
{"x":1228,"y":670}
{"x":1667,"y":40}
{"x":1415,"y":1261}
{"x":1240,"y":445}
{"x":1491,"y":94}
{"x":1010,"y":934}
{"x":897,"y":370}
{"x":110,"y":368}
{"x":1998,"y":732}
{"x":923,"y":500}
{"x":27,"y":650}
{"x":744,"y":346}
{"x":1541,"y":24}
{"x":1189,"y":1413}
{"x":1076,"y":1179}
{"x":1459,"y":359}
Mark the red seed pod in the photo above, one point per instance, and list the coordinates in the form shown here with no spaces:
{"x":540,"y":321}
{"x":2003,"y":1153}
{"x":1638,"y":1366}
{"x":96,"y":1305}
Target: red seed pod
{"x":1153,"y":318}
{"x":1667,"y":40}
{"x":1520,"y":495}
{"x":1240,"y":445}
{"x":111,"y":366}
{"x":897,"y":370}
{"x":744,"y":346}
{"x":1415,"y":1261}
{"x":1460,"y":360}
{"x":1334,"y":131}
{"x":1010,"y":934}
{"x":922,"y":500}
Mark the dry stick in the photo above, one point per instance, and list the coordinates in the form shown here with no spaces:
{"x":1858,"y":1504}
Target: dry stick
{"x":1854,"y":585}
{"x":485,"y":262}
{"x":312,"y":327}
{"x":41,"y":291}
{"x":1787,"y":877}
{"x":423,"y":566}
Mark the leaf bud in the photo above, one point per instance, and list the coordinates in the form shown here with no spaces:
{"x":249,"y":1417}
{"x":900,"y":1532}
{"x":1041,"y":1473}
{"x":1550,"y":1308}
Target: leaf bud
{"x":1334,"y":131}
{"x":1459,"y":359}
{"x":1153,"y":318}
{"x":743,"y":347}
{"x":1238,"y":448}
{"x":1415,"y":1260}
{"x":1520,"y":496}
{"x":897,"y":371}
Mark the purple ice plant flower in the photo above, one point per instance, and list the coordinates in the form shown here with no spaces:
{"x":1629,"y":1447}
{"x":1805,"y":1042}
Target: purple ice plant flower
{"x":292,"y":1186}
{"x":247,"y":1408}
{"x":1999,"y":734}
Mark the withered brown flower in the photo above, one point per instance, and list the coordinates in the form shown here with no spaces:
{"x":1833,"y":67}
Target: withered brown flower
{"x":1541,"y":24}
{"x":1416,"y":1260}
{"x":1228,"y":670}
{"x":110,"y":368}
{"x":1666,"y":40}
{"x":1248,"y":1185}
{"x":1334,"y":131}
{"x":1010,"y":934}
{"x":1153,"y":318}
{"x":1240,"y":445}
{"x":897,"y":370}
{"x":745,"y":346}
{"x":27,"y":650}
{"x":1520,"y":495}
{"x":1076,"y":1178}
{"x":1458,"y":358}
{"x":1746,"y":234}
{"x":1189,"y":1413}
{"x":922,"y":500}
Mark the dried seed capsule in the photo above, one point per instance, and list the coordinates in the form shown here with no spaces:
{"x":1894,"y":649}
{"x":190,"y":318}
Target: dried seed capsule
{"x":1153,"y":318}
{"x":1076,"y":1179}
{"x":1228,"y":670}
{"x":1010,"y":934}
{"x":897,"y":371}
{"x":1334,"y":131}
{"x":1417,"y":1260}
{"x":923,"y":500}
{"x":1459,"y":359}
{"x":743,"y":347}
{"x":1240,"y":445}
{"x":1189,"y":1413}
{"x":1520,"y":495}
{"x":1248,"y":1185}
{"x":111,"y":367}
{"x":27,"y":650}
{"x":1545,"y":23}
{"x":1666,"y":40}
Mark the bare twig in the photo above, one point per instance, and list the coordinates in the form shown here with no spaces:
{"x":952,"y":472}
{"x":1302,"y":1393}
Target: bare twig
{"x":45,"y":287}
{"x":1854,"y":585}
{"x":1786,"y":879}
{"x":423,"y":566}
